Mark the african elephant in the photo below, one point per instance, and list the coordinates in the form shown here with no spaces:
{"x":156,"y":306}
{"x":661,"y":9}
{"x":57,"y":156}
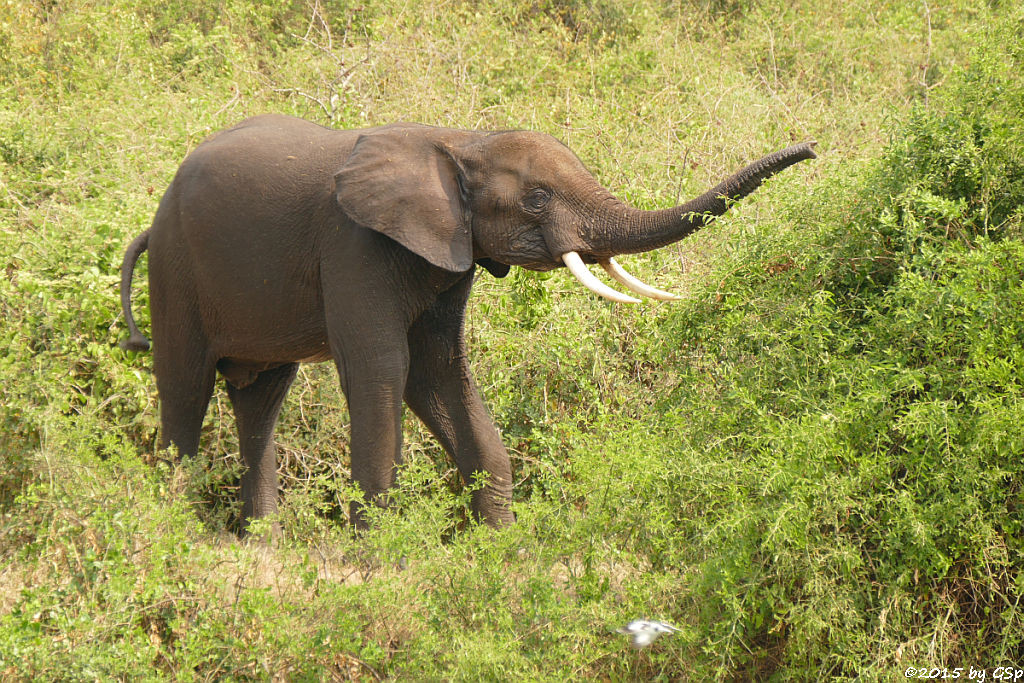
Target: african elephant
{"x":281,"y":242}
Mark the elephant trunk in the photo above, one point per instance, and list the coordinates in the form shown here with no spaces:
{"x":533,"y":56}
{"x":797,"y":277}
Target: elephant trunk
{"x":638,"y":231}
{"x":621,"y":229}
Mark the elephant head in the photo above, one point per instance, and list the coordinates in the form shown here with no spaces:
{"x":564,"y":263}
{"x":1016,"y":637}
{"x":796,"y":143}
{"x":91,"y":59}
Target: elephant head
{"x":518,"y":198}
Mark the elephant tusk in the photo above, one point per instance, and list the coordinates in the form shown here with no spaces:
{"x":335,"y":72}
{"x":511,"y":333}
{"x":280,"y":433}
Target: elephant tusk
{"x":575,"y":264}
{"x":612,"y":267}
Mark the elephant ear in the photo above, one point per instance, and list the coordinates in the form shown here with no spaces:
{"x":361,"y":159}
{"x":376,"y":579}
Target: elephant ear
{"x":403,"y":182}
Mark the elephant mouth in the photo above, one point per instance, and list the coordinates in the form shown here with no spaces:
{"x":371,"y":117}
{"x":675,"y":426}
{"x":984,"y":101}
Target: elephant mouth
{"x":533,"y":252}
{"x":528,"y":249}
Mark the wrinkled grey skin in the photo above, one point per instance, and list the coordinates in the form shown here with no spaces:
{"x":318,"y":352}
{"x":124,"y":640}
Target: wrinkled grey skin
{"x":281,"y":242}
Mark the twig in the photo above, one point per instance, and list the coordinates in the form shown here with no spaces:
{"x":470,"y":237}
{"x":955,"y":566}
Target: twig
{"x":329,"y":51}
{"x":373,"y":672}
{"x":319,"y":15}
{"x":923,"y":70}
{"x":230,"y":103}
{"x":781,"y":101}
{"x":345,"y":76}
{"x":296,"y":91}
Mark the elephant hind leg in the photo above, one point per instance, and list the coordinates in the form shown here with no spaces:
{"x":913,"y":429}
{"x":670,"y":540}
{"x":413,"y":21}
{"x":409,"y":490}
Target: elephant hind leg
{"x":257,"y":406}
{"x":185,"y":384}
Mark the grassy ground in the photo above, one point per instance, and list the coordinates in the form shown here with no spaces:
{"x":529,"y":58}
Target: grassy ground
{"x":811,"y":464}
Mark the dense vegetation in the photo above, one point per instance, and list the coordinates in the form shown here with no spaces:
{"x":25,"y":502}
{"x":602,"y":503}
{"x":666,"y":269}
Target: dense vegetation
{"x":812,"y":464}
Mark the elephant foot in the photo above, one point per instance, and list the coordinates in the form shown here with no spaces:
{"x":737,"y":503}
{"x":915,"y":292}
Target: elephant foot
{"x":259,"y":532}
{"x":494,"y":511}
{"x":499,"y":520}
{"x":358,"y":516}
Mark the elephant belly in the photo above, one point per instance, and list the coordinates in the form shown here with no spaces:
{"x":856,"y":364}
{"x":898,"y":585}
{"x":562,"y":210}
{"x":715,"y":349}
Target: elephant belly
{"x":267,"y":348}
{"x":262,"y":305}
{"x":241,"y":372}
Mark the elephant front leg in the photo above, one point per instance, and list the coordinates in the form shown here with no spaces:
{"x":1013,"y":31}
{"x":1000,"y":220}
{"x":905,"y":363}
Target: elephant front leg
{"x":441,"y":391}
{"x":373,"y":381}
{"x":453,"y":411}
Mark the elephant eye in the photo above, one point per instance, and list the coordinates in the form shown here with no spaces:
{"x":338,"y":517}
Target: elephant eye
{"x":536,"y":199}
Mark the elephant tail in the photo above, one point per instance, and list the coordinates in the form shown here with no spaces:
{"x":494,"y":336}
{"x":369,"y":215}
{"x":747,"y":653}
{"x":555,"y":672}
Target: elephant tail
{"x":136,"y":340}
